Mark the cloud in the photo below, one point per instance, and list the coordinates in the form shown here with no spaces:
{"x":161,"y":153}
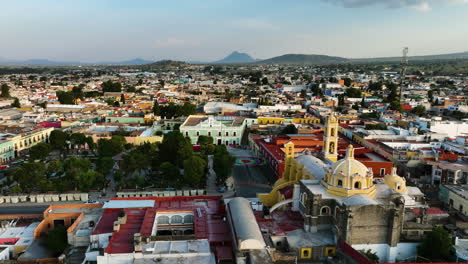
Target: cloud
{"x":175,"y":42}
{"x":420,"y":5}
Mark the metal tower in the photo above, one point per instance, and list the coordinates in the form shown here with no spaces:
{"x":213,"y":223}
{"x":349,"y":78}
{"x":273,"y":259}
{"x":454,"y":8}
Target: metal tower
{"x":404,"y":63}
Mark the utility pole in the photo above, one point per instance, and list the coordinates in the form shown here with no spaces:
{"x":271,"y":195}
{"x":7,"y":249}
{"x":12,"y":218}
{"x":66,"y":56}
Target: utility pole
{"x":404,"y":64}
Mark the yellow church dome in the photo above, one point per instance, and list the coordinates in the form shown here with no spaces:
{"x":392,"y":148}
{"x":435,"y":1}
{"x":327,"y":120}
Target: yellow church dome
{"x":349,"y":176}
{"x":395,"y":182}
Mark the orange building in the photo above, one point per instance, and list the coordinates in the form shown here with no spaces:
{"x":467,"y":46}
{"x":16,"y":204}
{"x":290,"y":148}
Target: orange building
{"x":61,"y":215}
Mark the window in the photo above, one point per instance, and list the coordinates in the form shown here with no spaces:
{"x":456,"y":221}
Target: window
{"x":357,"y":185}
{"x":330,"y":251}
{"x":163,"y":220}
{"x":227,"y":134}
{"x":186,"y":133}
{"x":198,"y":133}
{"x":382,"y":172}
{"x":340,"y":183}
{"x":332,"y":132}
{"x":303,"y":198}
{"x":461,"y":208}
{"x":325,"y":210}
{"x":209,"y":134}
{"x":219,"y":134}
{"x":188,"y":219}
{"x":306,"y":253}
{"x":176,"y":219}
{"x":235,"y":134}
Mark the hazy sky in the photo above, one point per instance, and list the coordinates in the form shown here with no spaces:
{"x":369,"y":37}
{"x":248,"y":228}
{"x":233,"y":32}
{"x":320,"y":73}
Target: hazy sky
{"x":99,"y":30}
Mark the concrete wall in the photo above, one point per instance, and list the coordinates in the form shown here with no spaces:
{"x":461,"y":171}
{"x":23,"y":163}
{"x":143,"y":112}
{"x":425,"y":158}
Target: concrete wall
{"x":44,"y":198}
{"x":197,"y":192}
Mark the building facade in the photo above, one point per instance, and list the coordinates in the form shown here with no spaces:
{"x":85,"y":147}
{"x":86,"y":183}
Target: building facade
{"x":223,"y":129}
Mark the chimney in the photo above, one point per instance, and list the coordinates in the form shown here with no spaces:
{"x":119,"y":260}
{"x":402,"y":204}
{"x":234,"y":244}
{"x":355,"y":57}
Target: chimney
{"x":116,"y":226}
{"x":122,"y":217}
{"x":137,"y":242}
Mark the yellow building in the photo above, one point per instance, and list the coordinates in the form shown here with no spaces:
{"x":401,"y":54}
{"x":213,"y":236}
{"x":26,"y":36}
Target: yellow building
{"x":330,"y":144}
{"x":270,"y":120}
{"x":348,"y":177}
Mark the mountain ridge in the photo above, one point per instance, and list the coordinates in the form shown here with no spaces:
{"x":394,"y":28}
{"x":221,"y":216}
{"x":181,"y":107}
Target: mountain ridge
{"x":244,"y":58}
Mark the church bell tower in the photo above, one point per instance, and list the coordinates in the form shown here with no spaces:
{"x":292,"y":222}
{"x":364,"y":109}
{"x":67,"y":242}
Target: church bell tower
{"x":330,"y":139}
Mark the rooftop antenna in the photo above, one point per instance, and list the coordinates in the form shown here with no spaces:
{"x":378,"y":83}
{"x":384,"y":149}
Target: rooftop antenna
{"x":404,"y":64}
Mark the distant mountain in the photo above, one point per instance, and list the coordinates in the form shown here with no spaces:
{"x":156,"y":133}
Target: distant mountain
{"x":236,"y":57}
{"x":46,"y":62}
{"x":304,"y":59}
{"x":450,"y":56}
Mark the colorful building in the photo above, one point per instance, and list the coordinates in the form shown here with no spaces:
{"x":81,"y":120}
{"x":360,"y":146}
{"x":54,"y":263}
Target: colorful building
{"x":225,"y":130}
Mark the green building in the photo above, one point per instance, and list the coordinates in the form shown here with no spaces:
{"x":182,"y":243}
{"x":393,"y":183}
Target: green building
{"x":225,"y":130}
{"x":7,"y":151}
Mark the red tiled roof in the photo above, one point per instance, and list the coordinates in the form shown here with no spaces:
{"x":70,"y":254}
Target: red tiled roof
{"x":429,"y":211}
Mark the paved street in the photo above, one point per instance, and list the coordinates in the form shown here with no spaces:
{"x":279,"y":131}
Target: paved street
{"x":248,"y":179}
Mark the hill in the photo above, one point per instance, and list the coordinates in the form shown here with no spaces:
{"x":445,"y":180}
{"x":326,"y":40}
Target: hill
{"x":236,"y":57}
{"x":439,"y":57}
{"x":304,"y":59}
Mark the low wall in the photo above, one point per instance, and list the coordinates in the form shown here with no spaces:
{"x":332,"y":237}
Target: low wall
{"x":44,"y":198}
{"x":155,"y":193}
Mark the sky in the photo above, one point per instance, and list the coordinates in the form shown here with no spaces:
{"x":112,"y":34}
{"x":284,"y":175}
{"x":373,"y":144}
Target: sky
{"x":206,"y":30}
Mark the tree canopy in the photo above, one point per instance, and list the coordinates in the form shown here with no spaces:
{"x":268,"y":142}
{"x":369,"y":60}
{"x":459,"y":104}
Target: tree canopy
{"x":436,"y":245}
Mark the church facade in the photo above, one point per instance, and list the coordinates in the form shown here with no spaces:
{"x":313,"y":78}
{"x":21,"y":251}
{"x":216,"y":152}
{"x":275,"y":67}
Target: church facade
{"x":342,"y":198}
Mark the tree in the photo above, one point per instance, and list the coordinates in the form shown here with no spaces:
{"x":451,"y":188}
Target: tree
{"x":57,"y":240}
{"x":347,"y":82}
{"x":77,"y":92}
{"x":222,"y":163}
{"x":156,"y":108}
{"x":30,"y":175}
{"x":122,"y":99}
{"x":58,"y":139}
{"x":341,"y":100}
{"x":363,"y":103}
{"x":187,"y":109}
{"x":110,"y":86}
{"x":194,"y":170}
{"x":396,"y":106}
{"x":419,"y":110}
{"x":303,"y":93}
{"x":436,"y":245}
{"x":204,"y":140}
{"x":169,"y":172}
{"x":78,"y":139}
{"x":394,"y":93}
{"x":110,"y":147}
{"x":353,"y":93}
{"x":175,"y":148}
{"x":65,"y":97}
{"x":39,"y":151}
{"x":104,"y":164}
{"x":289,"y":129}
{"x":265,"y":81}
{"x":5,"y":91}
{"x":16,"y":103}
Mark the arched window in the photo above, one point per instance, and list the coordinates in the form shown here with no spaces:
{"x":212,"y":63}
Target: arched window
{"x":176,"y":219}
{"x":331,"y":147}
{"x":325,"y":210}
{"x":163,"y":220}
{"x":304,"y":198}
{"x":357,"y":185}
{"x":340,"y":183}
{"x":188,"y":219}
{"x":332,"y":132}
